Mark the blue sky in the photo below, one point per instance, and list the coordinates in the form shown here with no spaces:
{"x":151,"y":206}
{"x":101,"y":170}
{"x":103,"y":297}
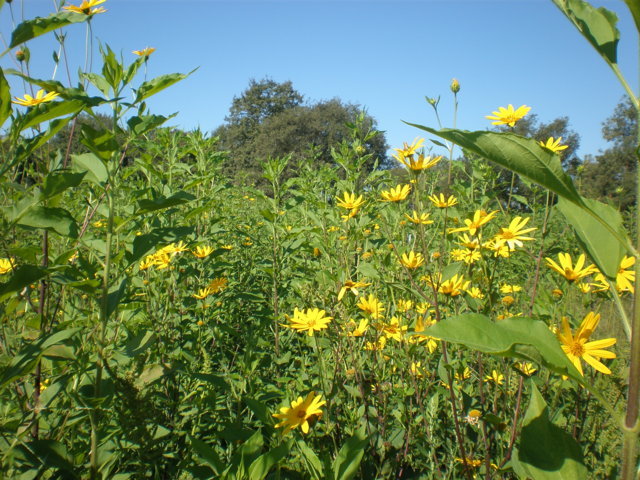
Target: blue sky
{"x":384,"y":55}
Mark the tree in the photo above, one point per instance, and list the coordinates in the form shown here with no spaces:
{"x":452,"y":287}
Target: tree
{"x":270,"y":120}
{"x":611,"y":175}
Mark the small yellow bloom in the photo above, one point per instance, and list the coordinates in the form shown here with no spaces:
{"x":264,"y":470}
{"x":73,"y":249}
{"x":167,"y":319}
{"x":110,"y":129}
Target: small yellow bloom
{"x":300,"y":412}
{"x":419,"y":218}
{"x":356,"y":330}
{"x":408,"y":150}
{"x":86,"y":7}
{"x":553,"y":145}
{"x":495,"y":377}
{"x":350,"y":202}
{"x":475,"y":292}
{"x":480,"y":218}
{"x":568,"y":270}
{"x":504,"y":288}
{"x":413,"y":260}
{"x":217,"y":285}
{"x":508,"y":300}
{"x":393,"y":330}
{"x":145,"y":52}
{"x":397,"y":194}
{"x":577,"y":347}
{"x":465,"y":255}
{"x":526,"y":368}
{"x":442,"y":202}
{"x":312,"y":320}
{"x":351,"y":286}
{"x":512,"y":236}
{"x":29,"y":101}
{"x":5,"y":266}
{"x":508,"y":116}
{"x":404,"y":306}
{"x":203,"y":251}
{"x":371,"y":305}
{"x":202,"y":293}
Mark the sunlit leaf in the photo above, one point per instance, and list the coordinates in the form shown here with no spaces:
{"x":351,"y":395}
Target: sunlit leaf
{"x":35,"y":27}
{"x":53,"y":219}
{"x":5,"y":99}
{"x":151,"y":87}
{"x":347,"y":462}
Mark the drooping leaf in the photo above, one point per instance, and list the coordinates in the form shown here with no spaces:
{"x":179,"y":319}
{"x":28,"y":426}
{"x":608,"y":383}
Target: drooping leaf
{"x":545,"y":451}
{"x":207,"y":454}
{"x":517,"y":337}
{"x":146,"y":205}
{"x":347,"y":462}
{"x":311,"y":460}
{"x":605,"y":248}
{"x":151,"y":87}
{"x":21,"y":277}
{"x":48,"y":111}
{"x":261,"y":466}
{"x":53,"y":219}
{"x":35,"y":27}
{"x":519,"y":154}
{"x":5,"y":99}
{"x":145,"y":123}
{"x":96,"y":169}
{"x":59,"y":181}
{"x":597,"y":25}
{"x":25,"y":361}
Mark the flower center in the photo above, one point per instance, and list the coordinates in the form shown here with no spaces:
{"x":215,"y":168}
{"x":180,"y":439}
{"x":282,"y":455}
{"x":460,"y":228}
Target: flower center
{"x":570,"y":274}
{"x":576,"y":349}
{"x":507,"y":234}
{"x":302,"y":413}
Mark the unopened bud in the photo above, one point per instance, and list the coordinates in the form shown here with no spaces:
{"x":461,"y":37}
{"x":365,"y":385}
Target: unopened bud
{"x":22,"y":55}
{"x":619,"y":190}
{"x":455,"y":85}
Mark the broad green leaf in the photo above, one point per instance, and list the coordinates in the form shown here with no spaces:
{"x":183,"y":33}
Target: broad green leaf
{"x":150,"y":374}
{"x":151,"y":87}
{"x":634,"y":8}
{"x":261,"y":466}
{"x":94,"y":166}
{"x":53,"y":219}
{"x":145,"y":123}
{"x":143,"y":244}
{"x":311,"y":460}
{"x":546,"y":452}
{"x":519,"y":154}
{"x":101,"y":142}
{"x":65,"y":93}
{"x":50,"y":454}
{"x":597,"y":25}
{"x":21,"y":277}
{"x":208,"y":454}
{"x":604,"y":248}
{"x":347,"y":462}
{"x":48,"y":111}
{"x":39,"y":26}
{"x":146,"y":205}
{"x":518,"y":337}
{"x":25,"y":361}
{"x":114,"y":297}
{"x":98,"y":81}
{"x":58,"y":181}
{"x":5,"y":99}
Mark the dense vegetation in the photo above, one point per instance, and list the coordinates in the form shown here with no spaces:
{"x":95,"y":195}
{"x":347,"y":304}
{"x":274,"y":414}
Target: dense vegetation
{"x":267,"y":302}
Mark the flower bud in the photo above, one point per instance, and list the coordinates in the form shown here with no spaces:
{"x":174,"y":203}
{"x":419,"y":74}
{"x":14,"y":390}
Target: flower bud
{"x":455,"y":85}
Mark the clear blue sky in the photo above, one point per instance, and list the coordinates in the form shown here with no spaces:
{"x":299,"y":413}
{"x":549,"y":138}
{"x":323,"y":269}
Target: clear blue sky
{"x":384,"y":55}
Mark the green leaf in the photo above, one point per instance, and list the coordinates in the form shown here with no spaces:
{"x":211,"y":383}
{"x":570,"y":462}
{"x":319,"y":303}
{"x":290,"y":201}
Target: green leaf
{"x":35,"y":27}
{"x":48,"y":111}
{"x":518,"y":337}
{"x":634,"y":8}
{"x":347,"y":462}
{"x":146,"y":205}
{"x":605,"y":248}
{"x":93,"y":165}
{"x":5,"y":99}
{"x":101,"y":142}
{"x":597,"y":25}
{"x":149,"y":375}
{"x":25,"y":361}
{"x":261,"y":466}
{"x":58,"y":181}
{"x":50,"y":454}
{"x":114,"y":297}
{"x":151,"y":87}
{"x":208,"y":454}
{"x":143,"y":244}
{"x":546,"y":452}
{"x":53,"y":219}
{"x":21,"y":277}
{"x":519,"y":154}
{"x":311,"y":460}
{"x":145,"y":123}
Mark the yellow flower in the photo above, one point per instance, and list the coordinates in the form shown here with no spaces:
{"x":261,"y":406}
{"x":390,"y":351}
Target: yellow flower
{"x":413,"y":260}
{"x":473,"y":417}
{"x":202,"y":293}
{"x":226,"y":247}
{"x":5,"y":266}
{"x":577,"y":347}
{"x":300,"y":412}
{"x":393,"y":329}
{"x":350,"y":202}
{"x":351,"y":286}
{"x":376,"y":346}
{"x":408,"y":150}
{"x":173,"y":248}
{"x":442,"y":202}
{"x":512,"y":236}
{"x":397,"y":194}
{"x":495,"y":377}
{"x":418,"y":164}
{"x":451,"y":287}
{"x":86,"y":7}
{"x":358,"y":330}
{"x":508,"y":116}
{"x":504,"y":288}
{"x":371,"y":305}
{"x":202,"y":252}
{"x":312,"y":320}
{"x":145,"y":52}
{"x":553,"y":145}
{"x":568,"y":270}
{"x":508,"y":300}
{"x":419,"y":218}
{"x":217,"y":285}
{"x":480,"y":218}
{"x":465,"y":255}
{"x":526,"y":368}
{"x":404,"y":306}
{"x":29,"y":101}
{"x":625,"y":277}
{"x":416,"y":369}
{"x":466,"y":373}
{"x":470,"y":242}
{"x":474,"y":292}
